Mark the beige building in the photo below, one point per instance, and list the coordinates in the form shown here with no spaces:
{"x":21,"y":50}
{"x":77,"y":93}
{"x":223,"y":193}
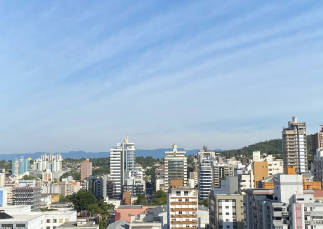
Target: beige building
{"x":260,"y":168}
{"x":316,"y":141}
{"x":226,"y":211}
{"x":182,"y":207}
{"x":2,"y":179}
{"x":294,"y":146}
{"x":86,"y":169}
{"x":175,"y":166}
{"x":10,"y":192}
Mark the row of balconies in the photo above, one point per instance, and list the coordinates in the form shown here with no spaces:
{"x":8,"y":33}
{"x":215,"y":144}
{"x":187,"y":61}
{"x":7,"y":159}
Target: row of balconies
{"x":183,"y":203}
{"x":184,"y":222}
{"x":183,"y":209}
{"x":184,"y":216}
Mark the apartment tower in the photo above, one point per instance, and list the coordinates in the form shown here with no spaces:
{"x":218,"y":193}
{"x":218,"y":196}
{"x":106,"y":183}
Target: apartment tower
{"x":175,"y":166}
{"x":294,"y":146}
{"x":86,"y":169}
{"x":182,"y":207}
{"x":316,"y":141}
{"x":122,"y":162}
{"x":205,"y":172}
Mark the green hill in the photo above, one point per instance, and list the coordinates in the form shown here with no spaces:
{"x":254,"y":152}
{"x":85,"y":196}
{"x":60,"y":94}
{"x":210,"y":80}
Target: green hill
{"x":269,"y":147}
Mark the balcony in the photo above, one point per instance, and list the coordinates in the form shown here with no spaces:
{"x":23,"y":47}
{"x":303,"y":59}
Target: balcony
{"x":184,"y":222}
{"x":183,"y":203}
{"x":183,"y":209}
{"x":184,"y":216}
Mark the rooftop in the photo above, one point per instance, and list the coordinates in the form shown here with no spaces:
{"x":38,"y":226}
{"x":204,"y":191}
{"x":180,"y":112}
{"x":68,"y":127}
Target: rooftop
{"x":80,"y":224}
{"x":130,"y":207}
{"x":120,"y":224}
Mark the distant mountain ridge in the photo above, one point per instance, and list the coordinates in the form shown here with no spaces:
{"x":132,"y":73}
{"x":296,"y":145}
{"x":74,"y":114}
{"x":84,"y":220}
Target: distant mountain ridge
{"x":156,"y":153}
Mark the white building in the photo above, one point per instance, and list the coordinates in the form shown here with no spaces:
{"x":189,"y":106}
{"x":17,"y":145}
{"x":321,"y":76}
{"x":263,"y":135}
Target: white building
{"x":23,"y":217}
{"x":247,"y":178}
{"x":317,"y":165}
{"x":122,"y":160}
{"x":49,"y":162}
{"x":160,"y":178}
{"x":193,"y":179}
{"x":205,"y":172}
{"x":175,"y":166}
{"x":2,"y":179}
{"x":182,"y":204}
{"x":288,"y":206}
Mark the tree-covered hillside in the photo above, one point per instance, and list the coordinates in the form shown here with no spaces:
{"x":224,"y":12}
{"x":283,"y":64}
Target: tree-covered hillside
{"x":269,"y":147}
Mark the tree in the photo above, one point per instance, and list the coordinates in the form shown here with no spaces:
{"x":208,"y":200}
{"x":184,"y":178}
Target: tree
{"x":62,"y":198}
{"x":158,"y":201}
{"x":160,"y":194}
{"x":204,"y":202}
{"x":160,"y":198}
{"x":103,"y":222}
{"x":94,"y":209}
{"x":82,"y":199}
{"x":141,"y":200}
{"x":26,"y":177}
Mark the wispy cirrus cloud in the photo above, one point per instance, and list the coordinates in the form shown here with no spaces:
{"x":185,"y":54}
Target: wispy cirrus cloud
{"x":82,"y":76}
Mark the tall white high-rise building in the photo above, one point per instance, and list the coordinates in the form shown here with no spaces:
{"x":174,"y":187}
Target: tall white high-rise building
{"x":175,"y":166}
{"x":122,"y":161}
{"x":294,"y":146}
{"x":205,"y":172}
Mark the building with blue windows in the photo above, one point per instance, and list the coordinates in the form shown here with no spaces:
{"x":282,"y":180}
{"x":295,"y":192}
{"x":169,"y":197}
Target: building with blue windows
{"x":20,"y":167}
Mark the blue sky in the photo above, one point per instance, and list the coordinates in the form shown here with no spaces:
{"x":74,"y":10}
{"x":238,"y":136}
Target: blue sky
{"x":82,"y":75}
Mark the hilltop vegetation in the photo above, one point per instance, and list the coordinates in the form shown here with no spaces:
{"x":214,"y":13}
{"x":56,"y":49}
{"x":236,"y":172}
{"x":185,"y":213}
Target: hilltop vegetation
{"x":273,"y":147}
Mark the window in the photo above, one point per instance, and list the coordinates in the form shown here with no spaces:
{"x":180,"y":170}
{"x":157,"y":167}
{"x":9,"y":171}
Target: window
{"x":185,"y":193}
{"x":67,"y":220}
{"x":47,"y":227}
{"x":227,"y":213}
{"x":48,"y":221}
{"x":20,"y":226}
{"x":54,"y":220}
{"x":178,"y":193}
{"x":226,"y":206}
{"x":7,"y":226}
{"x":61,"y":220}
{"x":180,"y":212}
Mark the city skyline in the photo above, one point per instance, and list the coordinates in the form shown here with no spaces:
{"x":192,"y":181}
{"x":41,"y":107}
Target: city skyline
{"x":82,"y":76}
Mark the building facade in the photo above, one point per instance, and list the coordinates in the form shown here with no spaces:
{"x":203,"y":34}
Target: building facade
{"x":86,"y":169}
{"x":295,"y":146}
{"x":182,"y":206}
{"x":28,"y":196}
{"x":205,"y":172}
{"x":226,"y":211}
{"x":316,"y":141}
{"x":175,"y":166}
{"x":287,"y":206}
{"x":122,"y":161}
{"x":259,"y":169}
